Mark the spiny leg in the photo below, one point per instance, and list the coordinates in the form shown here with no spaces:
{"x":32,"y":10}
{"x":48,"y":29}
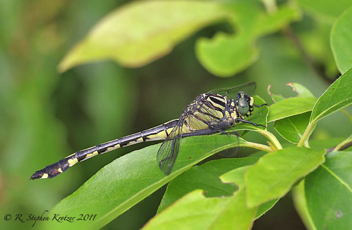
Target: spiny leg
{"x":258,"y":106}
{"x":245,"y":121}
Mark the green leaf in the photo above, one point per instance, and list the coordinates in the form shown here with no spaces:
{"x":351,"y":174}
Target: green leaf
{"x":131,"y":178}
{"x":194,"y":211}
{"x":275,"y":173}
{"x":292,"y":128}
{"x":290,"y":107}
{"x":341,"y":36}
{"x":299,"y":199}
{"x":143,"y":31}
{"x":340,"y":164}
{"x":275,"y":97}
{"x":225,"y":55}
{"x":336,"y":97}
{"x":300,"y":90}
{"x":237,"y":176}
{"x":329,"y":192}
{"x":324,"y":9}
{"x":205,"y":177}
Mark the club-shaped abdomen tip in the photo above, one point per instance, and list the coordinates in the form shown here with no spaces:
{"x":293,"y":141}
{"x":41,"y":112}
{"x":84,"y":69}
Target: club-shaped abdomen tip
{"x":38,"y":175}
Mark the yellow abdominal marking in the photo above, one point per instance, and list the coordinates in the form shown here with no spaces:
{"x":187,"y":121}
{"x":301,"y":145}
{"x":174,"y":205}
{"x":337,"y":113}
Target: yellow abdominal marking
{"x":45,"y":175}
{"x":112,"y":148}
{"x":91,"y":155}
{"x":72,"y":161}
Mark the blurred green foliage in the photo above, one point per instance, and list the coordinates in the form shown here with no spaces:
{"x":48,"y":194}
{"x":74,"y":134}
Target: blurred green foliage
{"x":46,"y":115}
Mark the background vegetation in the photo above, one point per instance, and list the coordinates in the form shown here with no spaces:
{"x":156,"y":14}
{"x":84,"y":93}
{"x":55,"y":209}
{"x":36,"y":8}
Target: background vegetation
{"x":45,"y":114}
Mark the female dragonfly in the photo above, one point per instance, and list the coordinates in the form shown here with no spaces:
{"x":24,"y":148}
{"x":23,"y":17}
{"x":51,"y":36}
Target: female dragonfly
{"x":209,"y":113}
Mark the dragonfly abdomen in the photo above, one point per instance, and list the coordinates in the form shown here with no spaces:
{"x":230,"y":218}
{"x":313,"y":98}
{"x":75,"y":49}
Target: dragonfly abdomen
{"x":157,"y":133}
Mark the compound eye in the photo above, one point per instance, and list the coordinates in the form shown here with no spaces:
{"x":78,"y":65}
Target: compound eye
{"x":243,"y":106}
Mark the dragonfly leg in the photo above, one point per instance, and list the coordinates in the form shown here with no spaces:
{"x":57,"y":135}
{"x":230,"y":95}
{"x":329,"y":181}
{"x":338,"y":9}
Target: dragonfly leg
{"x":258,"y":106}
{"x":245,"y":121}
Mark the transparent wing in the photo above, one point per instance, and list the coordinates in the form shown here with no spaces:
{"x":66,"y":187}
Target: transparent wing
{"x":168,"y":150}
{"x":202,"y":116}
{"x":231,"y":152}
{"x":231,"y":93}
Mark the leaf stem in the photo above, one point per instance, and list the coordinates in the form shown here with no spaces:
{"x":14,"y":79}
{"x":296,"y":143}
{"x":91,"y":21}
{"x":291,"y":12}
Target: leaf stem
{"x":270,"y":6}
{"x":347,"y":114}
{"x":257,"y":146}
{"x":343,"y":145}
{"x":306,"y":134}
{"x":271,"y":138}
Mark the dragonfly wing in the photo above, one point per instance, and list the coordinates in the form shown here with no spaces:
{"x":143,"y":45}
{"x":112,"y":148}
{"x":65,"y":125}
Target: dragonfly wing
{"x":168,"y":150}
{"x":231,"y":93}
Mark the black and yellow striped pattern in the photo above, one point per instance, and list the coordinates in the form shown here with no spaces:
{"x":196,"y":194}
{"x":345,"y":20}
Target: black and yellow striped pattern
{"x":157,"y":133}
{"x":208,"y":113}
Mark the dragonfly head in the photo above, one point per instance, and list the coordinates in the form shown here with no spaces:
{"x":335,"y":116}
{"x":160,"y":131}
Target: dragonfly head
{"x":244,"y":104}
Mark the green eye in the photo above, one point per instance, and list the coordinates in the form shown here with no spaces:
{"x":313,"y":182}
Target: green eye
{"x":243,"y":106}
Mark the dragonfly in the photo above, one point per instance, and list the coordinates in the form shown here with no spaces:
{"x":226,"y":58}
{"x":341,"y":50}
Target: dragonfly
{"x":209,"y":113}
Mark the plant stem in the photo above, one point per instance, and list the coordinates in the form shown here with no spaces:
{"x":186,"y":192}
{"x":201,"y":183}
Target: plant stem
{"x":271,"y":138}
{"x":258,"y":146}
{"x":344,"y":145}
{"x":306,"y":135}
{"x":347,"y":114}
{"x":270,"y":6}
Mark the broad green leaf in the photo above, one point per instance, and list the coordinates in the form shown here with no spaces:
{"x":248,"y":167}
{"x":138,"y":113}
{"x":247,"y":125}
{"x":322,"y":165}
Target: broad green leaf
{"x":292,"y":128}
{"x":131,"y":178}
{"x":205,"y":177}
{"x":300,"y":90}
{"x":275,"y":173}
{"x":299,"y":199}
{"x":290,"y":107}
{"x":275,"y":97}
{"x":324,"y":9}
{"x":336,"y":97}
{"x":265,"y":207}
{"x":237,"y":176}
{"x":194,"y":211}
{"x":340,"y":164}
{"x":341,"y":36}
{"x":329,"y":192}
{"x":225,"y":55}
{"x":236,"y":214}
{"x":140,"y":32}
